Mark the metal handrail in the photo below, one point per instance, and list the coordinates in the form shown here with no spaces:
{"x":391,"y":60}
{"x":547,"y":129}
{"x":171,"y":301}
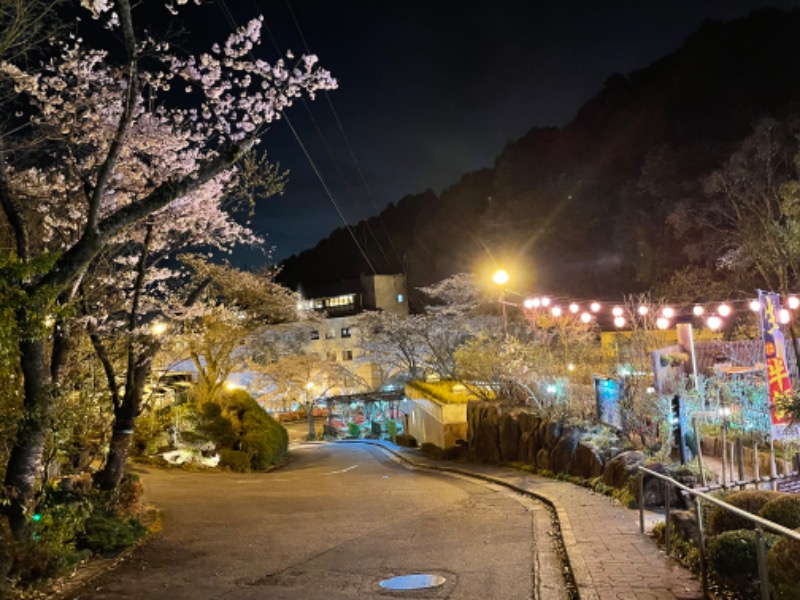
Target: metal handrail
{"x":761,"y":524}
{"x":737,"y":511}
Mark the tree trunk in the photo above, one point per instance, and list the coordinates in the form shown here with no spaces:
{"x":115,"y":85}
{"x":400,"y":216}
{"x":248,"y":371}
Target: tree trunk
{"x":310,"y":414}
{"x":25,"y":462}
{"x":124,"y":422}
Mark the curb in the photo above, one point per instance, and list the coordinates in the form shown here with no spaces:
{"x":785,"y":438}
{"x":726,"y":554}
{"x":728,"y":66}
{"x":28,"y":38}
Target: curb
{"x":575,"y":561}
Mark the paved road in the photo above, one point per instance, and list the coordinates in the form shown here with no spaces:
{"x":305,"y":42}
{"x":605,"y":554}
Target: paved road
{"x":332,"y":524}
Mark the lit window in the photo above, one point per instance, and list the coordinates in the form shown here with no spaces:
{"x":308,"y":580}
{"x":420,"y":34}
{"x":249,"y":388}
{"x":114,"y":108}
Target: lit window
{"x":347,"y":355}
{"x":400,"y":298}
{"x":345,"y":332}
{"x":315,"y":334}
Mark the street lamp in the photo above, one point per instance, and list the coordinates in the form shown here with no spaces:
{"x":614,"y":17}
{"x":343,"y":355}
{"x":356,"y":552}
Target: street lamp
{"x":501,"y":278}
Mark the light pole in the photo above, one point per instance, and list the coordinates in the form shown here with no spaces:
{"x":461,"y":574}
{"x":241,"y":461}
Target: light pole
{"x":501,"y":278}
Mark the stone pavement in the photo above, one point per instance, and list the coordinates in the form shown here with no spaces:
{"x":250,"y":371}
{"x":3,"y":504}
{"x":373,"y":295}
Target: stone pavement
{"x":609,"y":558}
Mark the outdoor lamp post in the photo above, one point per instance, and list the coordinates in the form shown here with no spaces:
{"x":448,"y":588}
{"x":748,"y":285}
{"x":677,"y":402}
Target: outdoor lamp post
{"x":501,"y":278}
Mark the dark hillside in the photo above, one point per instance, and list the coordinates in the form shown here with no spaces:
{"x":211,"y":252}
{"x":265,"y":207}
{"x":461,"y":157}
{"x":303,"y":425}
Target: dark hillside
{"x":582,"y":208}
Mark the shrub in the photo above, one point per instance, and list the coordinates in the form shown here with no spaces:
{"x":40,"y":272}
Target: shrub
{"x":264,"y":439}
{"x":784,"y":567}
{"x":125,"y":499}
{"x":353,"y":429}
{"x":409,"y":441}
{"x":721,"y":520}
{"x":783,"y":511}
{"x":733,"y":556}
{"x":234,"y":460}
{"x":106,"y":532}
{"x":391,"y":429}
{"x":431,"y":450}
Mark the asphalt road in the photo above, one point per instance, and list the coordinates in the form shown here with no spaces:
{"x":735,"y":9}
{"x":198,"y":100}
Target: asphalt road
{"x":332,"y":524}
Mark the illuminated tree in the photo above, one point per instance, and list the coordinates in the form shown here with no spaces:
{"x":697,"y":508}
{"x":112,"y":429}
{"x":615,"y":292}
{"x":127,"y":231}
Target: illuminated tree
{"x":120,"y":153}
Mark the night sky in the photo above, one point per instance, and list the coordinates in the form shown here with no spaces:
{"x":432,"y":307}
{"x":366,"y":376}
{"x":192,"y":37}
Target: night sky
{"x":430,"y":90}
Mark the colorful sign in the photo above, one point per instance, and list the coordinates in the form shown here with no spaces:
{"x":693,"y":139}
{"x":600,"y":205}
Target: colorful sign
{"x":777,"y":372}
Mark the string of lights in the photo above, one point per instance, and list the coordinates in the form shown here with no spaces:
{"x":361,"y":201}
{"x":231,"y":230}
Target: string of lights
{"x":712,"y":314}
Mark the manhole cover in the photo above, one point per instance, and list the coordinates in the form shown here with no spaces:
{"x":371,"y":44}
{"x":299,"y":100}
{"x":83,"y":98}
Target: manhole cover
{"x":417,"y":581}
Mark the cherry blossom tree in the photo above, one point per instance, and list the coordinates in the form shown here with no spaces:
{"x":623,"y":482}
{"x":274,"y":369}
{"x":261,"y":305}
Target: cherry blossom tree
{"x":108,"y":154}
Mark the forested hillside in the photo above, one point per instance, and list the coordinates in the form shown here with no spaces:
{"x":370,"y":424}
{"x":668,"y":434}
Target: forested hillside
{"x":598,"y":207}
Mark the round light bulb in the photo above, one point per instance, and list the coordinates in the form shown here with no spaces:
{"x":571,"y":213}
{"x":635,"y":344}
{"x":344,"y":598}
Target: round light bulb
{"x":668,"y":312}
{"x":662,"y":322}
{"x":500,"y":277}
{"x":586,"y":317}
{"x":698,"y":310}
{"x":545,"y":301}
{"x":594,"y":307}
{"x":574,"y":308}
{"x":714,"y":322}
{"x":528,"y":303}
{"x":784,"y":316}
{"x":556,"y":310}
{"x":643,"y":310}
{"x":616,"y":311}
{"x":794,"y":302}
{"x":755,"y":305}
{"x":619,"y":322}
{"x":724,"y":310}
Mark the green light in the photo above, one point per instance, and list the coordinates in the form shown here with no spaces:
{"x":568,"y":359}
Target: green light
{"x":37,"y":517}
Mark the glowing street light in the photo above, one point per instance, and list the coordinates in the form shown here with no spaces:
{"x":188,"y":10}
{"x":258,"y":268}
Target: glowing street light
{"x":784,"y":316}
{"x":698,"y":310}
{"x":643,"y":310}
{"x":556,"y":310}
{"x":714,"y":322}
{"x":755,"y":305}
{"x":530,"y":303}
{"x":668,"y":312}
{"x":500,"y":277}
{"x":616,"y":311}
{"x":724,"y":310}
{"x":619,"y":322}
{"x":158,"y":328}
{"x":662,"y":322}
{"x":594,"y":307}
{"x":545,"y":301}
{"x":586,"y":317}
{"x":574,"y":308}
{"x":794,"y":302}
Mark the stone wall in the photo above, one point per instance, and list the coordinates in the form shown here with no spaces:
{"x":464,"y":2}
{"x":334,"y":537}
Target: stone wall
{"x":498,"y":435}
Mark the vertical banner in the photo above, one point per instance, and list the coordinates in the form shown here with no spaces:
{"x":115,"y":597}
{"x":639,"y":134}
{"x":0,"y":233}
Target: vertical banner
{"x":778,"y":381}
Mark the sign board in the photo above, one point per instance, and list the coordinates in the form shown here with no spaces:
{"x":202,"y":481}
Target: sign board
{"x":608,"y":393}
{"x":778,"y":382}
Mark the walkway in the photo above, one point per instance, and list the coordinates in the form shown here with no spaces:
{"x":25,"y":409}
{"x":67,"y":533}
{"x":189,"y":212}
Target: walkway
{"x":610,"y":559}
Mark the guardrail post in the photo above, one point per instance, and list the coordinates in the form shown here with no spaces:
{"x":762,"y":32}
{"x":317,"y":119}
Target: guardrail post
{"x":698,"y":506}
{"x":763,"y":571}
{"x":757,"y":464}
{"x":699,"y":452}
{"x":667,"y":502}
{"x":724,"y":458}
{"x":641,"y":502}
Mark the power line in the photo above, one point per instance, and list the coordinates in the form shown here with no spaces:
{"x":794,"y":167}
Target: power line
{"x":232,"y":22}
{"x":355,"y":160}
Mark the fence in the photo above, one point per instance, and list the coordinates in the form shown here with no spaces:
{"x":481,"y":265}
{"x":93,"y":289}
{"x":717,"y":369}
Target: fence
{"x":761,"y":524}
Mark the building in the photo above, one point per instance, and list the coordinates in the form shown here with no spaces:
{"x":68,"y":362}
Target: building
{"x":341,"y":302}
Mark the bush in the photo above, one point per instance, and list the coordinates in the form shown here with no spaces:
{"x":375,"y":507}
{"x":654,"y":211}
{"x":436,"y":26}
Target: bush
{"x":784,"y":567}
{"x":262,"y":440}
{"x":733,"y":556}
{"x":353,"y":429}
{"x":125,"y":499}
{"x":721,"y":520}
{"x":108,"y":532}
{"x":783,"y":511}
{"x":234,"y":460}
{"x":391,"y":429}
{"x":431,"y":450}
{"x":409,"y":441}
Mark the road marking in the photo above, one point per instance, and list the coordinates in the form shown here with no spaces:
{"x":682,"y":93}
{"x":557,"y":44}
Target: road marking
{"x":342,"y":471}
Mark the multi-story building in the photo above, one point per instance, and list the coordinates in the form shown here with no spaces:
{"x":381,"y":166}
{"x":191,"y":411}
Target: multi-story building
{"x":337,"y":338}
